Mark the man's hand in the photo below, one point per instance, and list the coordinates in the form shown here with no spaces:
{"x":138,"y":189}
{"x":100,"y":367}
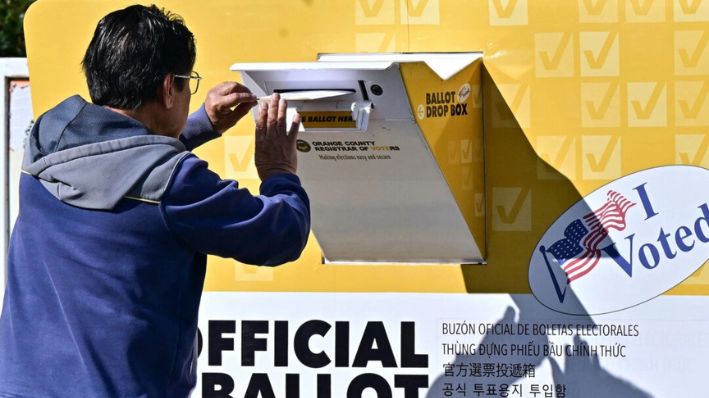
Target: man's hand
{"x":275,"y":146}
{"x":227,"y":103}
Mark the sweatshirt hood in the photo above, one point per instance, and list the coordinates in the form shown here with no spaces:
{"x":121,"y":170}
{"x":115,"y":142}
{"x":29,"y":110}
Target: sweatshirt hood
{"x":91,"y":157}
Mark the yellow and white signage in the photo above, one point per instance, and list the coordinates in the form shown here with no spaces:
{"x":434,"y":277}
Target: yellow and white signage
{"x":579,"y":98}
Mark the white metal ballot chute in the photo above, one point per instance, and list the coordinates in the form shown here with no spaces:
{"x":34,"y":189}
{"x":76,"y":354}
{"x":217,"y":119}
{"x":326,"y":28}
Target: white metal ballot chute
{"x":390,"y":152}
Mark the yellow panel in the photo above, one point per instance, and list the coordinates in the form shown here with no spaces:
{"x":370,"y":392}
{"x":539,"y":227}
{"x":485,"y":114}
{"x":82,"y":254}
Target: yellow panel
{"x":576,"y":93}
{"x":449,"y":114}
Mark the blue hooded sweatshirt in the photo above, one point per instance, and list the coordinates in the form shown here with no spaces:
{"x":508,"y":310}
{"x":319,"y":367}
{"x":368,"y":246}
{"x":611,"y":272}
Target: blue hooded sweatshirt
{"x":108,"y":255}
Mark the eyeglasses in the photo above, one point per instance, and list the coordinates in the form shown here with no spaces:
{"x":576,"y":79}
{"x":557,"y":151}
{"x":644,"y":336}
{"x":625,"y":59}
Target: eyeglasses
{"x":194,"y":76}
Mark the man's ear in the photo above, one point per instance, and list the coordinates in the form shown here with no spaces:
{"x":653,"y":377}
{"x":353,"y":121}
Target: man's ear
{"x":166,"y":91}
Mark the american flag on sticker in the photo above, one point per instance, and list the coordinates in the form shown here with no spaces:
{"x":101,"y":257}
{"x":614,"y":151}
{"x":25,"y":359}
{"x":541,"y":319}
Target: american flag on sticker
{"x":578,"y":253}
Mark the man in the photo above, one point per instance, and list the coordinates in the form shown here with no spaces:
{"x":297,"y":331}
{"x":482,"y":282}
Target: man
{"x":108,"y":255}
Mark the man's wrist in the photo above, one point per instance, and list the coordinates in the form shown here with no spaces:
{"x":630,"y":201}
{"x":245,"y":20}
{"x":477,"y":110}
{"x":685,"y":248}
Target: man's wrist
{"x":265,"y":173}
{"x":210,"y":119}
{"x":201,"y":121}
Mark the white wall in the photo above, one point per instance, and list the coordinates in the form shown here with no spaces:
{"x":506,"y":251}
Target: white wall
{"x":15,"y":116}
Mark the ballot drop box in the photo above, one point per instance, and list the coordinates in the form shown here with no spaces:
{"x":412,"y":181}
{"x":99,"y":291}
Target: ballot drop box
{"x":390,"y":151}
